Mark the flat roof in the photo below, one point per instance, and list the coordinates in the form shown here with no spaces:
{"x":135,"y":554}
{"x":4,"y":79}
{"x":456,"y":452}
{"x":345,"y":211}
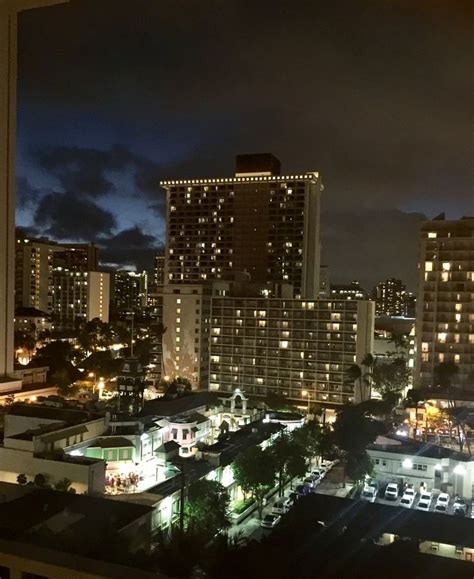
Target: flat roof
{"x":22,"y":514}
{"x":403,"y":445}
{"x":74,"y":562}
{"x":374,"y":519}
{"x":310,"y":176}
{"x":186,"y":403}
{"x":70,"y":415}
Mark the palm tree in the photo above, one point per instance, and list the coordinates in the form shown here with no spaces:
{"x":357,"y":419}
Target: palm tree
{"x":444,"y":376}
{"x":369,"y":362}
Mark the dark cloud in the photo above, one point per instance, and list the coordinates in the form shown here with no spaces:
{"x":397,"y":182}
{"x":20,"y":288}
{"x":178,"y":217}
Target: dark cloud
{"x":66,"y":216}
{"x":130,"y":247}
{"x":86,"y":171}
{"x":27,"y":196}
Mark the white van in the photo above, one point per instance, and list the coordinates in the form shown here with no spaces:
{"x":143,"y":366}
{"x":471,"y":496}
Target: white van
{"x":282,"y":506}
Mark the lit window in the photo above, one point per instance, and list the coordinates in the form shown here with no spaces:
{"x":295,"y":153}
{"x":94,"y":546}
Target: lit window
{"x":458,"y":307}
{"x":283,"y":343}
{"x":432,"y":235}
{"x":441,"y":357}
{"x":424,"y":346}
{"x":446,"y":266}
{"x":442,"y":337}
{"x":457,"y":358}
{"x":458,"y":317}
{"x":428,"y":266}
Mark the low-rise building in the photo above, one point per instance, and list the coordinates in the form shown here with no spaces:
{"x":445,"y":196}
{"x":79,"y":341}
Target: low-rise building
{"x":73,"y":527}
{"x":402,"y":460}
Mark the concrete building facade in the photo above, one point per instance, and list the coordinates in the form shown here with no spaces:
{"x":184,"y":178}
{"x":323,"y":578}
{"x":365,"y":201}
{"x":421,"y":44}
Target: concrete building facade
{"x":260,"y":226}
{"x":34,"y":273}
{"x":293,"y":348}
{"x":445,"y":304}
{"x":79,"y":296}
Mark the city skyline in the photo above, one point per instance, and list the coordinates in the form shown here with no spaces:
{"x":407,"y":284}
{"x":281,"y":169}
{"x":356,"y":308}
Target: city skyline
{"x":90,"y":160}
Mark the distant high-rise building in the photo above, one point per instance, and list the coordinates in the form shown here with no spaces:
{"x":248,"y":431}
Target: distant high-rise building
{"x":258,"y":225}
{"x":445,"y":305}
{"x":77,"y":257}
{"x":324,"y":285}
{"x":411,"y":305}
{"x":34,"y":272}
{"x":129,"y":292}
{"x":390,"y":298}
{"x":159,"y":270}
{"x":350,"y":291}
{"x":186,"y":317}
{"x":79,"y":296}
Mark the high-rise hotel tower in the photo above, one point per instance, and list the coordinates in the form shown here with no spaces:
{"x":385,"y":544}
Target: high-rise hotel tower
{"x":445,"y":305}
{"x":258,"y":225}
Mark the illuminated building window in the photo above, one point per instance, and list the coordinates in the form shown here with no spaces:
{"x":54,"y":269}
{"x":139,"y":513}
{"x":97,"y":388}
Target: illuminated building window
{"x":442,"y":337}
{"x":457,"y":358}
{"x":458,"y":307}
{"x":432,"y":235}
{"x":445,"y":276}
{"x":446,"y":266}
{"x":458,"y":317}
{"x":424,"y":346}
{"x":283,"y":343}
{"x":428,"y":266}
{"x":441,"y":357}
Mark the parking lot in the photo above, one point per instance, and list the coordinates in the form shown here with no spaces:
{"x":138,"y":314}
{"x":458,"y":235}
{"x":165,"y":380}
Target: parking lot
{"x":449,"y":511}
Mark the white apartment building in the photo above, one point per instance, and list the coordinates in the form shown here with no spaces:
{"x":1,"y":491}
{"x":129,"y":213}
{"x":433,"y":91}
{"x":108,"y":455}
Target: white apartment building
{"x":80,"y":296}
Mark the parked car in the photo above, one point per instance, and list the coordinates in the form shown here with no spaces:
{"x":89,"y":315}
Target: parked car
{"x":282,"y":506}
{"x":391,"y":492}
{"x":410,"y":491}
{"x":302,"y":490}
{"x":369,"y":494}
{"x":319,"y":474}
{"x":270,"y":521}
{"x":460,"y":507}
{"x":407,"y":500}
{"x":310,"y":482}
{"x":294,"y":497}
{"x":443,"y":499}
{"x":425,"y":501}
{"x":442,"y":503}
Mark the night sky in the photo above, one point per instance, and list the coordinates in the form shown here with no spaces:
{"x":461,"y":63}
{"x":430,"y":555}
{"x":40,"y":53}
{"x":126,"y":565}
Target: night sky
{"x":376,"y":95}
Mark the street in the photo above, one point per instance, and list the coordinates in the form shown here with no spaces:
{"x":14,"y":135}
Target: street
{"x":250,"y":528}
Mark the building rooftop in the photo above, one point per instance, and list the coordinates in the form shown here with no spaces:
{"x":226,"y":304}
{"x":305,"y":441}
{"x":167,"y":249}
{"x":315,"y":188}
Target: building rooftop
{"x":30,"y":313}
{"x":311,"y":176}
{"x":403,"y":445}
{"x":112,"y":442}
{"x":373,"y":519}
{"x":69,"y":415}
{"x":73,"y":562}
{"x":86,"y":514}
{"x":187,"y":403}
